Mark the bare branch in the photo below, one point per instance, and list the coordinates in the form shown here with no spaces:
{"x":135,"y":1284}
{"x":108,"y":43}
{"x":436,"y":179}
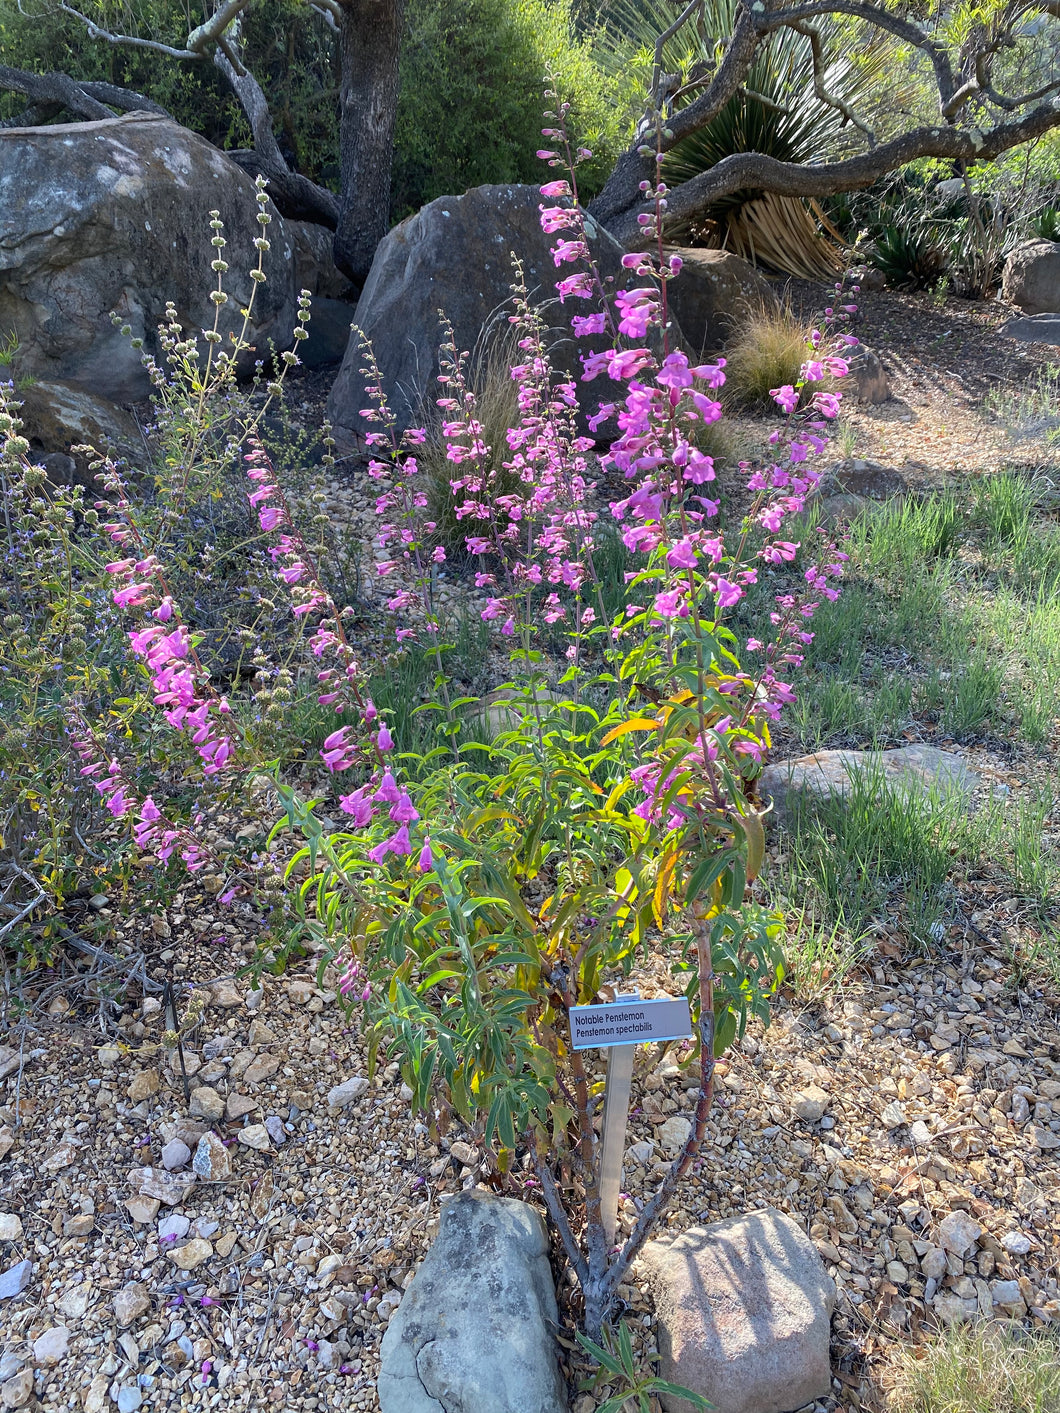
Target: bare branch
{"x":830,"y":100}
{"x":132,"y":40}
{"x":330,"y":9}
{"x":199,"y":40}
{"x":53,"y":88}
{"x":35,"y":116}
{"x":668,"y":34}
{"x":753,"y":171}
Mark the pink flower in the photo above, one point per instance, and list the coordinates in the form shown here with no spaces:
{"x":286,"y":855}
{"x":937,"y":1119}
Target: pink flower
{"x":786,"y":398}
{"x":682,"y":556}
{"x":425,"y":862}
{"x":358,"y":806}
{"x":404,"y":811}
{"x":384,"y":741}
{"x":588,"y":324}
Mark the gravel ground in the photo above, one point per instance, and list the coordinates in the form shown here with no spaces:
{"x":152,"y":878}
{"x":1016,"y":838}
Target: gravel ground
{"x":921,"y":1108}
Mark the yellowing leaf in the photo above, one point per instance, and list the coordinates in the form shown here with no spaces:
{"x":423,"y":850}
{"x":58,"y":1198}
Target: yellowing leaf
{"x":638,"y":723}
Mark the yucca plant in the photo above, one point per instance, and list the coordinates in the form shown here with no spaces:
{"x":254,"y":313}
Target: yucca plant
{"x":776,"y":113}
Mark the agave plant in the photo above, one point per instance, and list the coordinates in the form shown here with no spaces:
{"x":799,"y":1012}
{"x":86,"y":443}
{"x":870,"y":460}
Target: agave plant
{"x":777,"y":113}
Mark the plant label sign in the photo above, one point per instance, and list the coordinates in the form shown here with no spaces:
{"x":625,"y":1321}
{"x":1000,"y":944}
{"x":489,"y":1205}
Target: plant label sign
{"x":630,"y":1023}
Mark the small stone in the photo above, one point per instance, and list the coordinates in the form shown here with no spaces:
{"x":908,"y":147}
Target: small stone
{"x":642,"y":1152}
{"x":96,"y":1394}
{"x":301,"y":992}
{"x":811,"y":1104}
{"x":254,"y":999}
{"x":108,"y":1055}
{"x":10,"y":1226}
{"x":949,"y":1308}
{"x":238,"y":1106}
{"x":260,"y":1034}
{"x":465,"y":1155}
{"x":933,"y":1263}
{"x":171,"y":1188}
{"x":276,"y":1130}
{"x":893,"y":1115}
{"x":1044,"y":1138}
{"x":225,"y":994}
{"x":1007,"y":1296}
{"x":142,"y":1209}
{"x":75,"y":1302}
{"x":1020,"y":1111}
{"x":142,"y":1085}
{"x":7,"y":1141}
{"x":897,"y":1272}
{"x":129,"y":1398}
{"x":212,"y":1159}
{"x":83,"y":1225}
{"x":51,"y":1347}
{"x":61,"y":1157}
{"x":255,"y":1136}
{"x":192,"y":1254}
{"x":345,"y":1093}
{"x":15,"y":1279}
{"x":176,"y":1154}
{"x":206,"y":1103}
{"x":18,"y":1391}
{"x":673,"y":1134}
{"x":174,"y":1355}
{"x":263,"y":1068}
{"x":919,"y":1133}
{"x":1016,"y":1243}
{"x":131,"y":1303}
{"x":959,"y":1233}
{"x":406,"y":1094}
{"x":98,"y":902}
{"x":175,"y":1225}
{"x":205,"y":1228}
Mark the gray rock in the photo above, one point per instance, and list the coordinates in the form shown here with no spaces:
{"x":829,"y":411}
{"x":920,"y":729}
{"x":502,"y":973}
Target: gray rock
{"x":175,"y":1155}
{"x":473,"y":1333}
{"x":114,"y":215}
{"x":175,"y":1225}
{"x":1036,"y":328}
{"x":212,"y":1159}
{"x":171,"y":1188}
{"x":129,"y":1398}
{"x":1031,"y":280}
{"x":15,"y":1279}
{"x":827,"y":774}
{"x":16,"y":1392}
{"x":810,"y":1104}
{"x":275,"y":1129}
{"x":455,"y":255}
{"x":712,"y":290}
{"x":314,"y":262}
{"x":958,"y":1232}
{"x":867,"y":379}
{"x":51,"y":1346}
{"x":10,"y":1226}
{"x":744,"y":1310}
{"x":131,"y":1303}
{"x":347,"y":1092}
{"x":206,"y":1103}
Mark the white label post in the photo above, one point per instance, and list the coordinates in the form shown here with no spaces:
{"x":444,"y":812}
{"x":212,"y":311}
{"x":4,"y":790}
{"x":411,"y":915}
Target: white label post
{"x":617,"y":1027}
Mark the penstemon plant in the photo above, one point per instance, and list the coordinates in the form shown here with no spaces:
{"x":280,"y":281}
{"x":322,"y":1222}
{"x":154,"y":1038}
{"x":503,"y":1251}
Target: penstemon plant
{"x":482,"y":888}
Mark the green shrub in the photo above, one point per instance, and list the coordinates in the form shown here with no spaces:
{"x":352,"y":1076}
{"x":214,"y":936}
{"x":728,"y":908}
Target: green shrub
{"x":765,"y":351}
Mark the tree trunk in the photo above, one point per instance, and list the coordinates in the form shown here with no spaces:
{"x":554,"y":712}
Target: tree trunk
{"x":370,"y":41}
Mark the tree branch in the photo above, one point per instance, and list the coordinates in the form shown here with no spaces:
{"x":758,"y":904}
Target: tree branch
{"x":753,"y":171}
{"x":134,"y":41}
{"x":53,"y":88}
{"x":830,"y":100}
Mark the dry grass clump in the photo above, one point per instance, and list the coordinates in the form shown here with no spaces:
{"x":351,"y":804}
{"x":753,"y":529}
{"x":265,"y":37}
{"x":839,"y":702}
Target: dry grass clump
{"x":765,"y":350}
{"x":981,"y":1370}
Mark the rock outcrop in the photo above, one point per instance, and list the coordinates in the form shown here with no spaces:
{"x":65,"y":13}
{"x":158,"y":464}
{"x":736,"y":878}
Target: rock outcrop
{"x":114,"y":216}
{"x":1031,"y":280}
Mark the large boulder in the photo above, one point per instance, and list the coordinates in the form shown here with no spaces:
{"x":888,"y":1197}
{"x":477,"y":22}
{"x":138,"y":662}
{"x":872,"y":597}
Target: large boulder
{"x":1031,"y":280}
{"x":454,"y":256}
{"x":56,"y":417}
{"x":114,"y":216}
{"x":474,"y":1332}
{"x":1033,"y":328}
{"x":744,"y":1309}
{"x":712,"y":291}
{"x":332,"y":307}
{"x":826,"y":775}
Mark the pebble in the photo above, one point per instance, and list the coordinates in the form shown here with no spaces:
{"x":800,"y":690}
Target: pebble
{"x":207,"y":1103}
{"x":142,"y":1209}
{"x":76,"y":1301}
{"x":51,"y":1346}
{"x":919,"y":1133}
{"x":642,"y":1152}
{"x":15,"y":1279}
{"x":1016,"y":1243}
{"x":212,"y":1159}
{"x":225,"y":994}
{"x":345,"y":1093}
{"x":176,"y":1154}
{"x":171,"y":1188}
{"x":238,"y":1106}
{"x":142,"y":1085}
{"x":175,"y":1225}
{"x":276,"y":1131}
{"x":897,"y":1272}
{"x":131,"y":1303}
{"x":933,"y":1263}
{"x":264,"y":1067}
{"x":10,"y":1226}
{"x":192,"y":1254}
{"x":811,"y":1104}
{"x":18,"y":1391}
{"x":959,"y":1233}
{"x":61,"y":1157}
{"x":255,"y":1136}
{"x":129,"y":1398}
{"x":82,"y":1225}
{"x":673,"y":1134}
{"x":893,"y":1115}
